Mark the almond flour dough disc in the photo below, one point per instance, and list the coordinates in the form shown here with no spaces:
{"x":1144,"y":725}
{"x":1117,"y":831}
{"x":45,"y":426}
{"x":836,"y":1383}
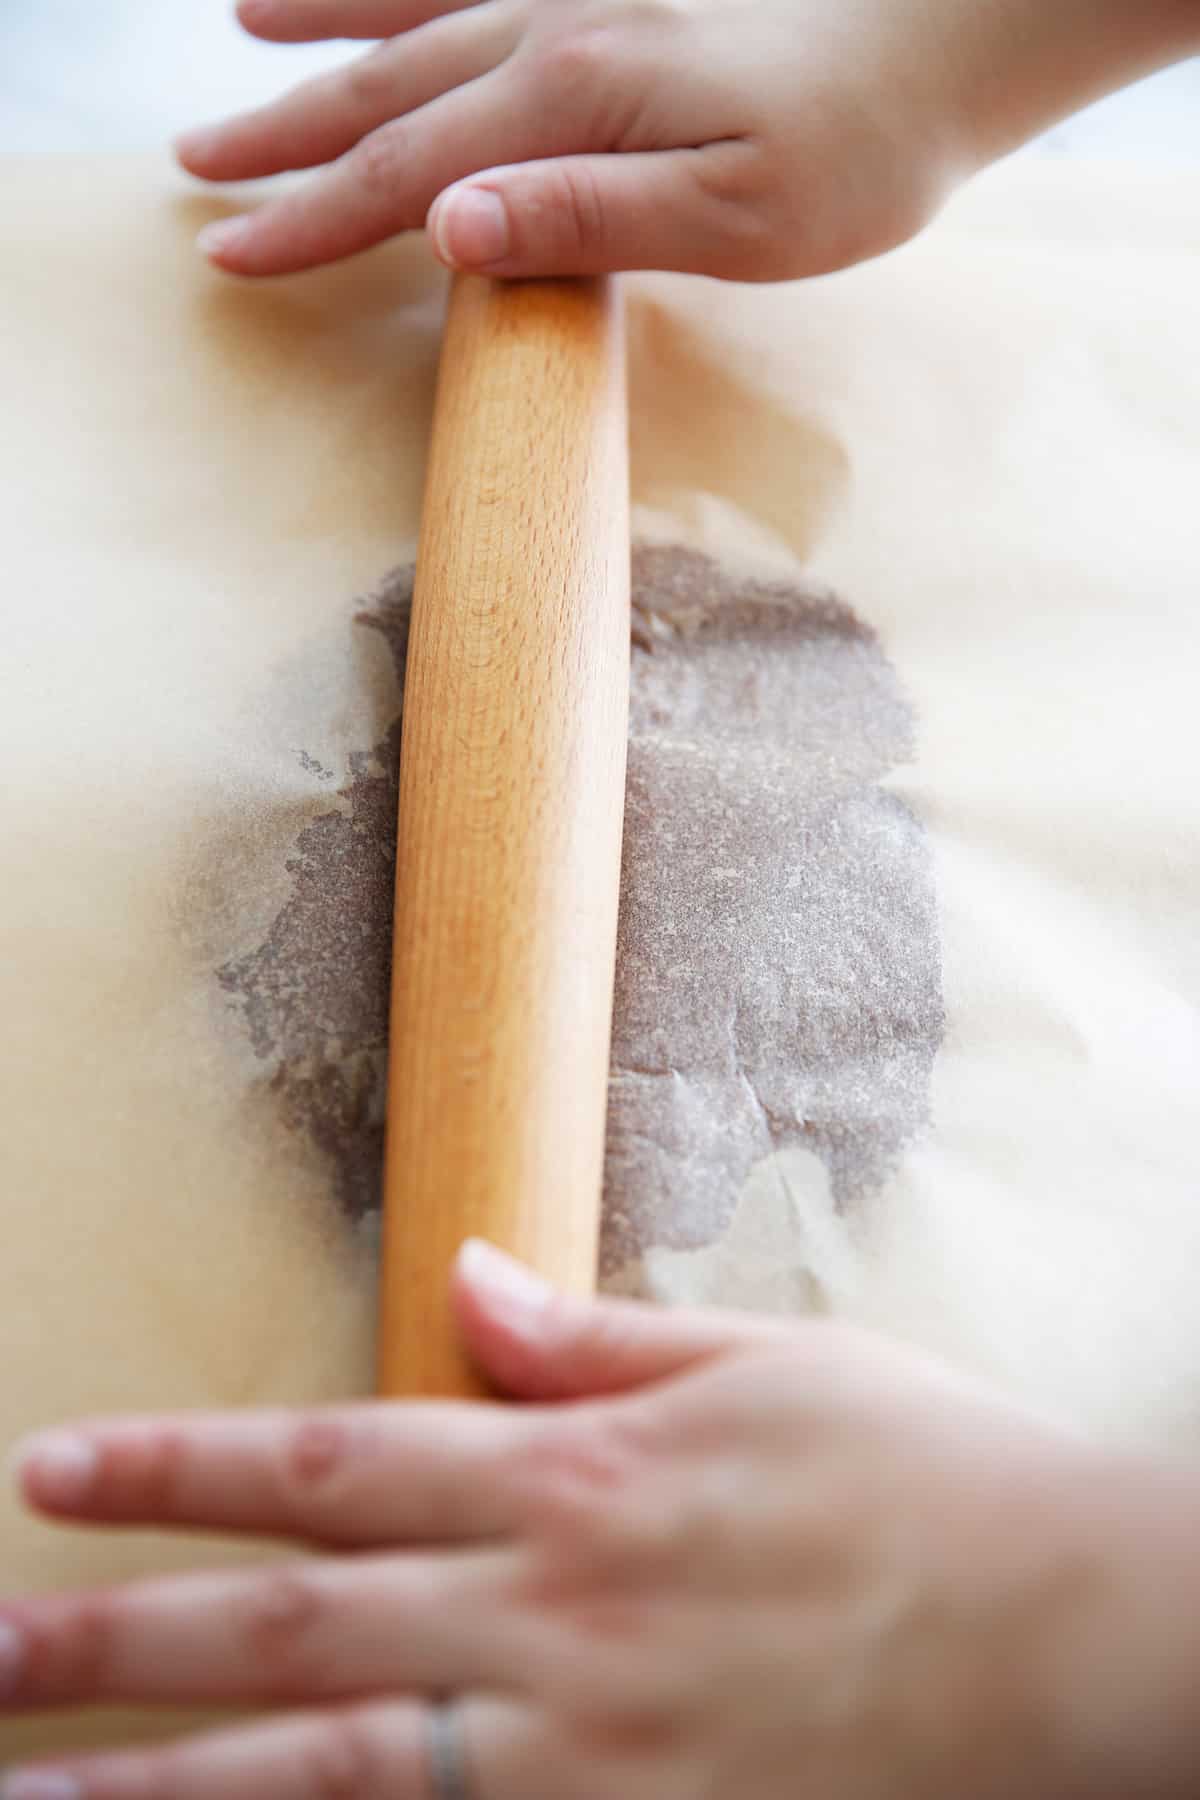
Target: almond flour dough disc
{"x":779,"y":971}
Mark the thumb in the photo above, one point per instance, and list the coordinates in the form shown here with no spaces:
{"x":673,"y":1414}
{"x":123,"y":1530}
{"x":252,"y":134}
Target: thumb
{"x":591,"y":215}
{"x":541,"y":1345}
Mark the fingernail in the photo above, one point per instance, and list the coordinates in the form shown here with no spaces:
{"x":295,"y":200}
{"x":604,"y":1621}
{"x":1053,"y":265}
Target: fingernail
{"x":225,"y":235}
{"x":45,"y":1786}
{"x":507,"y":1283}
{"x":470,"y":228}
{"x":61,"y":1464}
{"x":12,"y":1659}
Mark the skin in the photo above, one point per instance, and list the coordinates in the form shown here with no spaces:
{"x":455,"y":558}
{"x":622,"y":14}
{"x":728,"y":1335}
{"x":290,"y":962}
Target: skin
{"x":708,"y":1557}
{"x":752,"y":139}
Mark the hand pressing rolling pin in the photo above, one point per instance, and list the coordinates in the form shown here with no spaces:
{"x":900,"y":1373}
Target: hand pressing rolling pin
{"x":752,"y":139}
{"x":707,"y":1558}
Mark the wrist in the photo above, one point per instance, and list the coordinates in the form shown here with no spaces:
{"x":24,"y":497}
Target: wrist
{"x":1021,"y":66}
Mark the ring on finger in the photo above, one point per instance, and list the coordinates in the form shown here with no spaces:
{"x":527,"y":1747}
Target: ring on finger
{"x":448,"y":1772}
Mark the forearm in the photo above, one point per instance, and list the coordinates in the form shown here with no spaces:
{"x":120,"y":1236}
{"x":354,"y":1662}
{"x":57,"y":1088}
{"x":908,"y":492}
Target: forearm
{"x":1020,"y":66}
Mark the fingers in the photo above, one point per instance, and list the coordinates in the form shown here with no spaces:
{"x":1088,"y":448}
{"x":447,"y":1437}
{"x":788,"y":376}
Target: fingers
{"x":455,"y":126}
{"x":586,"y":215}
{"x":292,"y":1634}
{"x":307,"y":21}
{"x":540,"y":1345}
{"x":385,"y":185}
{"x":324,"y":118}
{"x":374,"y":1752}
{"x":362,"y":1476}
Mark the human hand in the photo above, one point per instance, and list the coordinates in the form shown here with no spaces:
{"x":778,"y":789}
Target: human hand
{"x":709,"y":1558}
{"x":754,"y":139}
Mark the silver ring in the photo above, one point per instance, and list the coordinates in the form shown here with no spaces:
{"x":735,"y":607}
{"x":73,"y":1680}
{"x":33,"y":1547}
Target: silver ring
{"x":447,"y":1758}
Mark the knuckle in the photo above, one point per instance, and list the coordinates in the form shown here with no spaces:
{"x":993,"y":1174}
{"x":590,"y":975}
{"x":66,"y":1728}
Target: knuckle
{"x":156,"y":1464}
{"x":640,"y":1732}
{"x":594,"y":57}
{"x":341,"y":1764}
{"x":735,"y":193}
{"x":581,"y":1458}
{"x":699,"y":1522}
{"x":654,"y":1704}
{"x":276,"y":1617}
{"x":378,"y":163}
{"x":316,"y":1452}
{"x":156,"y":1775}
{"x":598,"y":1614}
{"x":570,"y":65}
{"x":589,"y":82}
{"x":647,"y":1533}
{"x":642,"y":1541}
{"x":592,"y":1509}
{"x":70,"y":1648}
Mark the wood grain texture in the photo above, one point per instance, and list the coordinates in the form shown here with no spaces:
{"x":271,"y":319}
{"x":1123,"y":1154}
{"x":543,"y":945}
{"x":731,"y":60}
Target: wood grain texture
{"x":511,"y":803}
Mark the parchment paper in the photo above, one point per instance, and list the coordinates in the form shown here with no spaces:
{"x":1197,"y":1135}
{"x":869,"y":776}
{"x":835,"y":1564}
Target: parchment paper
{"x":907,"y":1024}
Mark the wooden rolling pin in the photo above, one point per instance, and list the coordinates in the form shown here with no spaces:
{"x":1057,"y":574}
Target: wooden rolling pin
{"x":511,"y":806}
